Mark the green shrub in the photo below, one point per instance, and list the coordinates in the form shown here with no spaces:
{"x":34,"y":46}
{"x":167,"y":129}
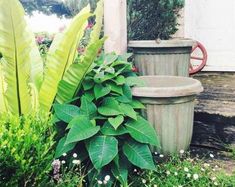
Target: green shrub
{"x":106,"y":130}
{"x":26,"y":149}
{"x":150,"y":20}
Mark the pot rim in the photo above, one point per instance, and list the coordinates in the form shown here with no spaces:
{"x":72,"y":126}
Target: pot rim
{"x":161,"y":90}
{"x":175,"y":42}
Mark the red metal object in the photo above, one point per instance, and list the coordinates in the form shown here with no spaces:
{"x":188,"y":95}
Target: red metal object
{"x":201,"y":60}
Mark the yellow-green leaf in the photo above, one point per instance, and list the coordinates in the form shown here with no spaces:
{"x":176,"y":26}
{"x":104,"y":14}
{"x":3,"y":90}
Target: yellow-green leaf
{"x":15,"y":45}
{"x":60,"y":57}
{"x":2,"y":91}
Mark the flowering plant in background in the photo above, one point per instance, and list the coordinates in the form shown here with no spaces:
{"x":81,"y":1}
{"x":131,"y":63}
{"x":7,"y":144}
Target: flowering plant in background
{"x":44,"y":41}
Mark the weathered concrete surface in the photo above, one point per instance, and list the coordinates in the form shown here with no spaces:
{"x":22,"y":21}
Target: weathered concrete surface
{"x":214,"y":121}
{"x":219,"y":94}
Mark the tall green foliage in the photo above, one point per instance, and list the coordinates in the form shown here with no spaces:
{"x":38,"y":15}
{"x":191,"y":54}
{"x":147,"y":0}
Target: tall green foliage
{"x":106,"y":130}
{"x":153,"y":19}
{"x":25,"y":85}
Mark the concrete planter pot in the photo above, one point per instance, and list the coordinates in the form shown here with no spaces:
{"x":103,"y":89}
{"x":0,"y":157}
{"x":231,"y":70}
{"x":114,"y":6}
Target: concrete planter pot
{"x":166,"y":57}
{"x":169,"y":104}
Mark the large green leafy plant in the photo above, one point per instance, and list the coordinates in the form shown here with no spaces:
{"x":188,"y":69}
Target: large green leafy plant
{"x":104,"y":127}
{"x":26,"y":85}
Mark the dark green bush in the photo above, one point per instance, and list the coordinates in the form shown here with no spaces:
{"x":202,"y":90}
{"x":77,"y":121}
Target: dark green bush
{"x":26,"y":150}
{"x":104,"y":127}
{"x":153,"y":19}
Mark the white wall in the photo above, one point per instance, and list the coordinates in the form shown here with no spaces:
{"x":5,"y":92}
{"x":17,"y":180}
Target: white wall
{"x":40,"y":22}
{"x":213,"y":23}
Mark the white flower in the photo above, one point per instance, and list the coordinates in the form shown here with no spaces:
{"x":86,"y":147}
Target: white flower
{"x":176,"y":173}
{"x":168,"y":172}
{"x":154,"y":185}
{"x":105,"y":182}
{"x":213,"y":178}
{"x":186,"y":169}
{"x":144,"y":181}
{"x":135,"y":170}
{"x":107,"y":178}
{"x":216,"y":166}
{"x":155,"y":153}
{"x":215,"y":183}
{"x":206,"y":165}
{"x":56,"y":162}
{"x":100,"y":182}
{"x":75,"y":155}
{"x":195,"y":176}
{"x":180,"y":186}
{"x":212,"y":156}
{"x":76,"y":162}
{"x":188,"y":175}
{"x":161,"y":156}
{"x":181,"y":151}
{"x":202,"y":169}
{"x":63,"y":161}
{"x":64,"y":154}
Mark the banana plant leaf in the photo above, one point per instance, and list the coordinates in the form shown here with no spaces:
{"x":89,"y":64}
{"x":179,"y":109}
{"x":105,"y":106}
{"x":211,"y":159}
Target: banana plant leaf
{"x":3,"y":106}
{"x":16,"y":43}
{"x":69,"y":86}
{"x":61,"y":55}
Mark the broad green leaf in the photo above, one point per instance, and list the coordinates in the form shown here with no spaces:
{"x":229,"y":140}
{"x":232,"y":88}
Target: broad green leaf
{"x":120,"y":170}
{"x":101,"y":91}
{"x":120,"y":80}
{"x":88,"y":84}
{"x":136,"y":104}
{"x":99,"y":12}
{"x":89,"y":95}
{"x":122,"y":69}
{"x":134,"y":81}
{"x":116,"y":122}
{"x":110,"y":107}
{"x":101,"y":77}
{"x":123,"y":99}
{"x":34,"y":97}
{"x":88,"y":108}
{"x":127,"y":91}
{"x":16,"y":44}
{"x":142,"y":131}
{"x":66,"y":112}
{"x":70,"y":85}
{"x":119,"y":62}
{"x":102,"y":150}
{"x":108,"y":130}
{"x":139,"y":155}
{"x":110,"y":70}
{"x":60,"y":57}
{"x":81,"y":129}
{"x":3,"y":104}
{"x":110,"y":58}
{"x":128,"y":110}
{"x":62,"y":148}
{"x":115,"y":88}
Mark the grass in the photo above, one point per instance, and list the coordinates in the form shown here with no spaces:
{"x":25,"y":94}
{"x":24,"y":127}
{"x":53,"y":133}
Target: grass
{"x":183,"y":171}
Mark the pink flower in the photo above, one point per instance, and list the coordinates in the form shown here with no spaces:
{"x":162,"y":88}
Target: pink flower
{"x":39,"y":39}
{"x":89,"y":26}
